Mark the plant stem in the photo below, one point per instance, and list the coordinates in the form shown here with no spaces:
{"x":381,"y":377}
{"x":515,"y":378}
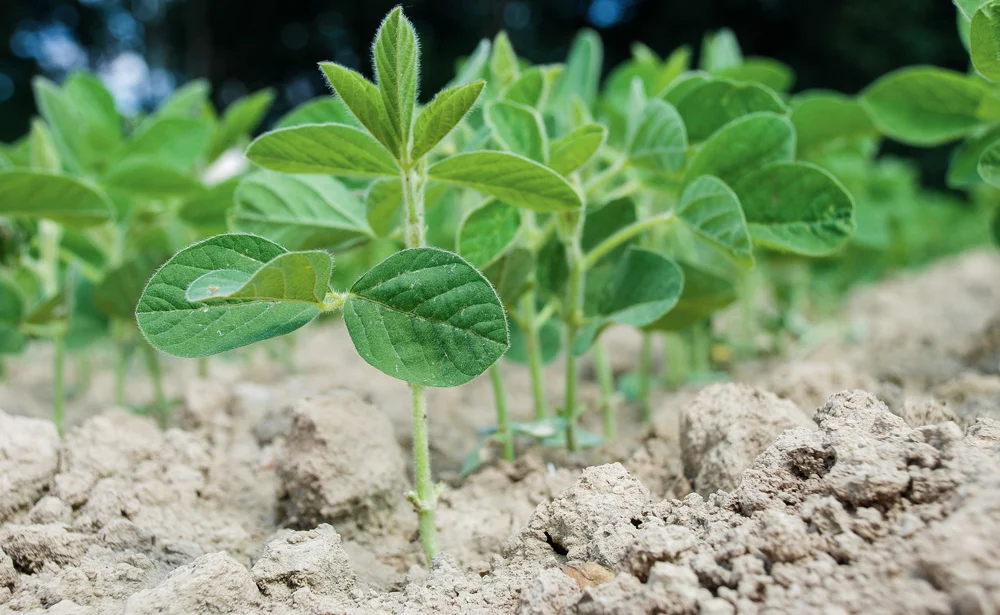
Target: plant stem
{"x":503,"y":421}
{"x":574,"y":318}
{"x":59,"y":384}
{"x":623,"y":235}
{"x":533,"y":349}
{"x":156,"y":373}
{"x":645,"y":375}
{"x":203,"y":368}
{"x":121,"y":367}
{"x":414,"y":178}
{"x":701,"y":348}
{"x":425,"y":497}
{"x":606,"y":380}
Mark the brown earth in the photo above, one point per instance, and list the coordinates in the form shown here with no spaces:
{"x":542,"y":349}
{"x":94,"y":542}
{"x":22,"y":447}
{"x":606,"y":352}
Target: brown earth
{"x":281,"y":491}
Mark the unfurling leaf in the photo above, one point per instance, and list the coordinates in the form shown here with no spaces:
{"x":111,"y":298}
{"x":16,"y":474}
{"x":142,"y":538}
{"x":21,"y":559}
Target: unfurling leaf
{"x":442,"y":115}
{"x":582,"y":74}
{"x":428,"y":317}
{"x":397,"y":65}
{"x":333,"y":149}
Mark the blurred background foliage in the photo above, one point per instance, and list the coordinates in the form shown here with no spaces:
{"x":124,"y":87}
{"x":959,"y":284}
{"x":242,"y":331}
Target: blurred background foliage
{"x":144,"y":49}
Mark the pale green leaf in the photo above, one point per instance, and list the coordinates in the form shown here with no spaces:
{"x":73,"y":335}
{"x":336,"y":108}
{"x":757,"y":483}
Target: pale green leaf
{"x":64,"y":200}
{"x":101,"y":125}
{"x":796,"y":207}
{"x":762,"y":138}
{"x":925,"y":105}
{"x":60,"y":114}
{"x":487,"y":232}
{"x":363,"y":100}
{"x":765,"y":71}
{"x":384,"y":206}
{"x":149,"y":177}
{"x":302,"y":277}
{"x":239,"y":120}
{"x":442,"y":115}
{"x":428,"y":317}
{"x":704,"y":294}
{"x":300,"y":212}
{"x":508,"y":177}
{"x":984,"y":41}
{"x":825,"y":121}
{"x":519,"y":129}
{"x":528,"y":89}
{"x":720,"y":51}
{"x":574,"y":150}
{"x":503,"y":62}
{"x":684,"y":85}
{"x":177,"y":141}
{"x":208,"y":211}
{"x":397,"y":65}
{"x":191,"y":100}
{"x":323,"y":110}
{"x":474,"y":67}
{"x":716,"y":103}
{"x":183,"y":328}
{"x":332,"y":149}
{"x":660,"y":141}
{"x":989,"y":164}
{"x":42,"y":149}
{"x":511,"y":274}
{"x":582,"y":74}
{"x":711,"y":210}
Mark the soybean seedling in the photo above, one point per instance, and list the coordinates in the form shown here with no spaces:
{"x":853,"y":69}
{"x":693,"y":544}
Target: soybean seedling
{"x":423,"y":315}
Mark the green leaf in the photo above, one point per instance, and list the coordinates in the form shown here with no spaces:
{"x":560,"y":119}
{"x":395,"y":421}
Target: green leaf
{"x":901,"y":105}
{"x":511,"y":274}
{"x":985,"y":41}
{"x":720,"y":51}
{"x":384,"y":206}
{"x":396,"y":68}
{"x":989,"y":165}
{"x":519,"y":129}
{"x":442,"y":115}
{"x":716,"y":103}
{"x":660,"y":141}
{"x":518,"y":181}
{"x":574,"y":150}
{"x":765,"y":71}
{"x":963,"y":172}
{"x":302,"y":277}
{"x":177,"y":141}
{"x":209,"y":211}
{"x":549,"y":342}
{"x":331,"y":149}
{"x":12,"y":341}
{"x":100,"y":124}
{"x":324,"y":110}
{"x":704,"y":294}
{"x":474,"y":66}
{"x":11,"y":302}
{"x":428,"y":317}
{"x":503,"y":62}
{"x":528,"y":89}
{"x":582,"y":74}
{"x":118,"y":294}
{"x":239,"y":120}
{"x":149,"y":177}
{"x":487,"y":232}
{"x":42,"y":149}
{"x":363,"y":100}
{"x":825,"y":121}
{"x":61,"y":115}
{"x":183,"y":328}
{"x":763,"y":138}
{"x":684,"y":85}
{"x":64,"y":200}
{"x":300,"y":212}
{"x":711,"y":210}
{"x":191,"y":100}
{"x":796,"y":207}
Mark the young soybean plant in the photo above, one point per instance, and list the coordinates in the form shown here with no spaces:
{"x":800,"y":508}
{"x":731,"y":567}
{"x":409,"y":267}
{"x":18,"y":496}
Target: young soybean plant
{"x":423,"y":315}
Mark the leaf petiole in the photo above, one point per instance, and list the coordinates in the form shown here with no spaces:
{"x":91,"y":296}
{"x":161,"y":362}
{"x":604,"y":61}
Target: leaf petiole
{"x":623,"y":235}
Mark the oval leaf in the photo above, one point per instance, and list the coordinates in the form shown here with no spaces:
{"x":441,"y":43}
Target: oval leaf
{"x":571,"y":152}
{"x":428,"y":317}
{"x":712,"y":211}
{"x":660,"y":140}
{"x":323,"y":110}
{"x":64,"y":200}
{"x":763,"y":138}
{"x":796,"y":207}
{"x":519,"y":129}
{"x":825,"y":121}
{"x":183,"y":328}
{"x":508,"y":177}
{"x":704,"y":294}
{"x":989,"y":164}
{"x":302,"y":277}
{"x":984,"y":44}
{"x":149,"y":177}
{"x":300,"y":212}
{"x":646,"y":286}
{"x":332,"y":149}
{"x":716,"y":103}
{"x":487,"y":232}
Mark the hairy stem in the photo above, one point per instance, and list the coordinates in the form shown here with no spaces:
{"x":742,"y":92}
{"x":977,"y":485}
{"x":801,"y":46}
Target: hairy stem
{"x":532,"y":347}
{"x":504,"y":433}
{"x":605,"y":379}
{"x":645,"y":375}
{"x":160,"y":410}
{"x":573,"y":316}
{"x":424,"y":499}
{"x":59,"y":383}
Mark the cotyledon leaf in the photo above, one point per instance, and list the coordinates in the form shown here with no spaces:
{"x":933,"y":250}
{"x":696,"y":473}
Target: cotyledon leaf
{"x":511,"y":178}
{"x":428,"y":317}
{"x":487,"y":232}
{"x":62,"y":199}
{"x":302,"y":277}
{"x":300,"y":212}
{"x":189,"y":329}
{"x":332,"y":149}
{"x":713,"y":212}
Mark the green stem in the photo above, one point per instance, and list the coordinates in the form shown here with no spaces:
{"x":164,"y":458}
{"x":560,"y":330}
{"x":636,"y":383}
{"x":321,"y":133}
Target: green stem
{"x":602,"y":249}
{"x":605,"y":176}
{"x":532,"y":347}
{"x":747,"y":290}
{"x":701,"y":348}
{"x":413,"y":178}
{"x":574,"y":318}
{"x":159,"y":398}
{"x":605,"y":378}
{"x":503,"y":421}
{"x":645,"y":374}
{"x":59,"y":384}
{"x":424,"y":498}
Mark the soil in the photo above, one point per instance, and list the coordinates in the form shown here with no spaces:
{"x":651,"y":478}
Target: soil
{"x":857,"y":476}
